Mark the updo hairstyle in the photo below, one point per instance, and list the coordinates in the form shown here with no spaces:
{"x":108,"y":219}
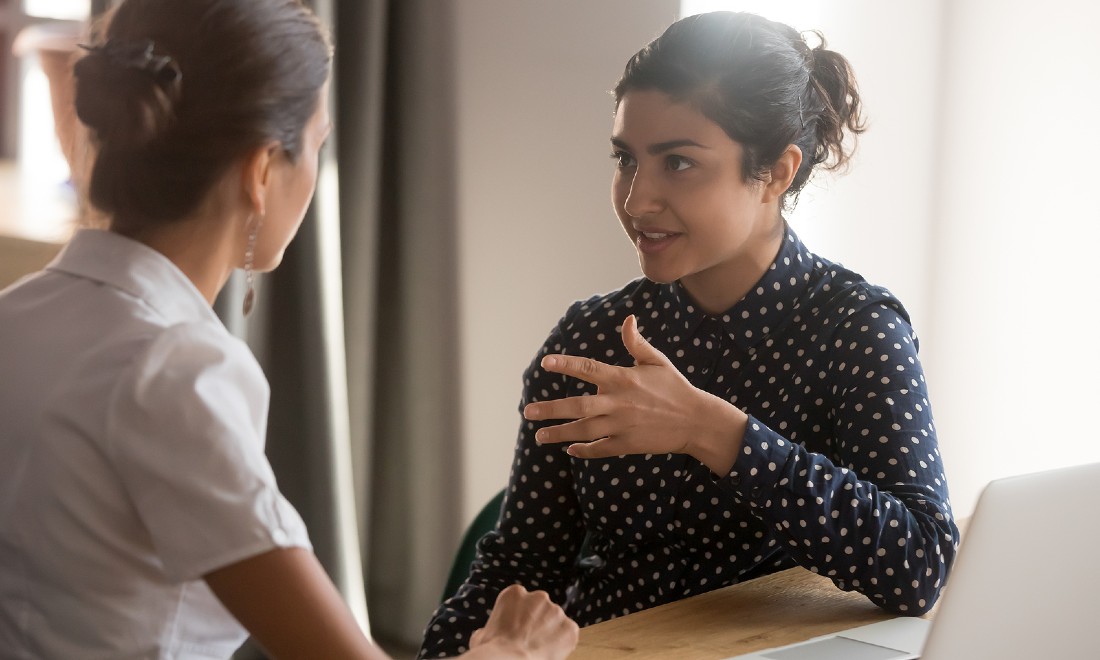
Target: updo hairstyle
{"x":761,"y":82}
{"x":177,"y":91}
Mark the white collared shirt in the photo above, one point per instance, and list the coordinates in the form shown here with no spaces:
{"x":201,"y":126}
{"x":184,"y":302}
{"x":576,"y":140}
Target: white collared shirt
{"x":132,"y":462}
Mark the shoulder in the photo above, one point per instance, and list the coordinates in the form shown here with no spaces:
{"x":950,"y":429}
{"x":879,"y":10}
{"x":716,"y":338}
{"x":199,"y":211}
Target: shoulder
{"x":839,"y":296}
{"x":190,"y":352}
{"x":590,"y":326}
{"x":198,"y":346}
{"x":183,"y":368}
{"x":609,"y":309}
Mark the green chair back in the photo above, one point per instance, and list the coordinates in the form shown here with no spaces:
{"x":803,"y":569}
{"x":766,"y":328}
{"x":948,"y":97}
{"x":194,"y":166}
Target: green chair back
{"x":484,"y":523}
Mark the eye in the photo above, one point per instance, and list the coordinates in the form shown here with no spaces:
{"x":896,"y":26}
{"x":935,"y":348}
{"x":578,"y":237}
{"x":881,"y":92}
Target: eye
{"x":622,"y":159}
{"x":678,"y":163}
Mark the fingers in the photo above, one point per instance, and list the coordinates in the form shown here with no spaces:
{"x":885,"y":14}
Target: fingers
{"x":599,"y":373}
{"x":613,"y":411}
{"x":515,"y":598}
{"x":605,"y":376}
{"x":602,"y":448}
{"x":534,"y":605}
{"x":642,"y":351}
{"x":532,"y":622}
{"x":573,"y":407}
{"x":592,"y":417}
{"x":582,"y":430}
{"x":512,"y":591}
{"x":587,"y":369}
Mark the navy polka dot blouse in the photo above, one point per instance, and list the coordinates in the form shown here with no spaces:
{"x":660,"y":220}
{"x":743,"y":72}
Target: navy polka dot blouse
{"x":840,"y":470}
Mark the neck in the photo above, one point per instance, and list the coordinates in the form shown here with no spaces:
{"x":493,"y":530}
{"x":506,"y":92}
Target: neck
{"x":206,"y":248}
{"x":720,"y":287}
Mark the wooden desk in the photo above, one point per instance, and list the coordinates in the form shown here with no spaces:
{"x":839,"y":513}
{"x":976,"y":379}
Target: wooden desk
{"x":783,"y":608}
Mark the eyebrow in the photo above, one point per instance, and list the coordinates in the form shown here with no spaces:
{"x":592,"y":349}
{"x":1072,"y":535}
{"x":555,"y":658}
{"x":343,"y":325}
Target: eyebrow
{"x":660,"y":147}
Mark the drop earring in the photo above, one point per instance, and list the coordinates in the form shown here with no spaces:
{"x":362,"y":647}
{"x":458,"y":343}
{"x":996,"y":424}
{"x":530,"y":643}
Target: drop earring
{"x":249,"y":274}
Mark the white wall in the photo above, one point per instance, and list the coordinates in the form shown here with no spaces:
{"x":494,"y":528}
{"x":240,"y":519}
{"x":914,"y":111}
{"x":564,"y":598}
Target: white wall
{"x":969,"y":198}
{"x":536,"y":228}
{"x":1015,"y":292}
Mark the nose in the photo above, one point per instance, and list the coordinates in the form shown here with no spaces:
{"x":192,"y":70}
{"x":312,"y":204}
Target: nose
{"x":643,"y":196}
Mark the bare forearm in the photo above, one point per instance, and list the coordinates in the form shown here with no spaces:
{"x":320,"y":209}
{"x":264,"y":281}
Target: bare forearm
{"x":286,"y":601}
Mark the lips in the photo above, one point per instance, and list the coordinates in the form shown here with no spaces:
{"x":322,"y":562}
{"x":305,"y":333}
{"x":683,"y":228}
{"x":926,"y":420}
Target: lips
{"x":655,"y":240}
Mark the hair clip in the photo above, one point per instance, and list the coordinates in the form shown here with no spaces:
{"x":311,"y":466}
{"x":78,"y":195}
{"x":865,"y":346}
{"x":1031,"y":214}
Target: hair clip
{"x":139,"y":55}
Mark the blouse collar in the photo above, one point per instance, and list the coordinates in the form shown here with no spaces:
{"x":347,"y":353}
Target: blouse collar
{"x":765,"y":307}
{"x":136,"y":269}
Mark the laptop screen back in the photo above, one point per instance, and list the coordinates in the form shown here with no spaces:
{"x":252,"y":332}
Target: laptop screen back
{"x":1026,"y":582}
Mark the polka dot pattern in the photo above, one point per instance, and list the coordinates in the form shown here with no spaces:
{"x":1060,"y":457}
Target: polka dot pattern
{"x":839,"y":471}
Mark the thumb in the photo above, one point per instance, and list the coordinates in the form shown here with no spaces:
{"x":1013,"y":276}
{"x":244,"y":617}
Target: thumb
{"x":475,"y":639}
{"x":642,"y":351}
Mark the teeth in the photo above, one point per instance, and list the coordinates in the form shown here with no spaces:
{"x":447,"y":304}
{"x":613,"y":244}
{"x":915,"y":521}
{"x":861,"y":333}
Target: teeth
{"x":654,"y":237}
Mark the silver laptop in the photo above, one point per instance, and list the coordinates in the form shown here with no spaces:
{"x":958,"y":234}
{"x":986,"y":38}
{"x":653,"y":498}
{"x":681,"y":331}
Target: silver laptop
{"x":1026,"y":583}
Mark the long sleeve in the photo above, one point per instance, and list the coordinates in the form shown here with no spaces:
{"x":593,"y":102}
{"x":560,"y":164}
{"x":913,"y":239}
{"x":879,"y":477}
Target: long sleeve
{"x":870,"y":512}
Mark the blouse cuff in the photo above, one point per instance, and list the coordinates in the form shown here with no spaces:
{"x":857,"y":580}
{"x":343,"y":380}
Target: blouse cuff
{"x":759,"y":467}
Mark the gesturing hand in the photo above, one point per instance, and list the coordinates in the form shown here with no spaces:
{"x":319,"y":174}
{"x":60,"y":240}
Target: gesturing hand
{"x":649,"y":408}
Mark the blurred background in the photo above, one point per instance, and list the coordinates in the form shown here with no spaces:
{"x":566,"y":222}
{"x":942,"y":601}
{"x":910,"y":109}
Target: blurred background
{"x":468,"y":205}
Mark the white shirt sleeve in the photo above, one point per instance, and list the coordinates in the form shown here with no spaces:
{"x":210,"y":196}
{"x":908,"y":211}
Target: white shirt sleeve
{"x":186,"y":429}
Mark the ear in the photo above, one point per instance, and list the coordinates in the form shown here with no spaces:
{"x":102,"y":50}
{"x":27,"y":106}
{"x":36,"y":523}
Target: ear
{"x":256,"y":176}
{"x":782,"y":173}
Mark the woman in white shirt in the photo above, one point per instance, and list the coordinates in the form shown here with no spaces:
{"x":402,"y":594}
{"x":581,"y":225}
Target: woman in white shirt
{"x":139,"y":517}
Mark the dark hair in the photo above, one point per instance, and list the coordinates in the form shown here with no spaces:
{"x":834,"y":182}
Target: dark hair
{"x":761,"y":82}
{"x":179,"y":90}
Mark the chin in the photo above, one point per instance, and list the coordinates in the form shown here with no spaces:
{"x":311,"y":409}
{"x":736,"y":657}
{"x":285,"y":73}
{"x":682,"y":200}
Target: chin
{"x":271,"y":264}
{"x":659,"y":276}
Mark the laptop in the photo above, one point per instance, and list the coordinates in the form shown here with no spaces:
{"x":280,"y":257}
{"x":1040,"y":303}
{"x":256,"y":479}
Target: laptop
{"x":1025,"y":584}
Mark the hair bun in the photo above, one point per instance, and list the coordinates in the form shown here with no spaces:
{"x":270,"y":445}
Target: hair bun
{"x":126,"y":93}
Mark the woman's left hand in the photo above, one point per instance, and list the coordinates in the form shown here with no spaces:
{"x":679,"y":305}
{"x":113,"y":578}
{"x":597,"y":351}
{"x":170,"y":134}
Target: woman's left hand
{"x":649,"y":408}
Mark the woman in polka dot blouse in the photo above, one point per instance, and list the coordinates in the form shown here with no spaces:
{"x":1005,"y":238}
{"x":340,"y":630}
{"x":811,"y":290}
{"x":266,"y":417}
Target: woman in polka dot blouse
{"x":745,"y":407}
